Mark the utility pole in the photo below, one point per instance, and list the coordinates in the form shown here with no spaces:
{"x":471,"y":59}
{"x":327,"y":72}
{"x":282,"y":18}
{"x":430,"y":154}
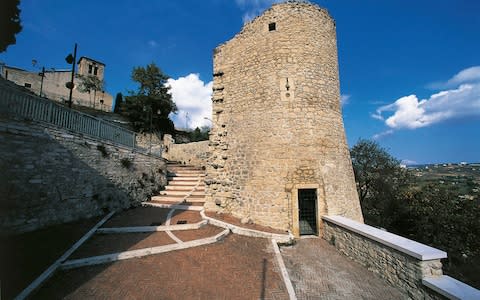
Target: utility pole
{"x":70,"y":85}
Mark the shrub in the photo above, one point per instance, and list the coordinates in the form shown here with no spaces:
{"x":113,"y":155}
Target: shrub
{"x":126,"y":162}
{"x":102,"y":150}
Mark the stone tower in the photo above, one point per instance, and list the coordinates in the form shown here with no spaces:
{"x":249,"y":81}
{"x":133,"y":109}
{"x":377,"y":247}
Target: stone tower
{"x":88,"y":66}
{"x":279,"y":155}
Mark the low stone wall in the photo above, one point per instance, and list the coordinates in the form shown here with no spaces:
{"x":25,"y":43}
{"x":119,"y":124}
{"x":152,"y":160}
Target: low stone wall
{"x":149,"y":141}
{"x":401,"y":262}
{"x":50,"y":176}
{"x":195,"y":153}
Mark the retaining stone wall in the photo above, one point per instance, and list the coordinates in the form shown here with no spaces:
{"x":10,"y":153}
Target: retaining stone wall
{"x":398,"y":268}
{"x":49,"y":176}
{"x":195,"y":154}
{"x":143,"y":140}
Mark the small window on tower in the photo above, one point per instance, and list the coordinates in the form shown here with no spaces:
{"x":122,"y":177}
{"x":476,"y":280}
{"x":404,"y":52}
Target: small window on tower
{"x":272,"y":26}
{"x":95,"y":70}
{"x":90,"y":67}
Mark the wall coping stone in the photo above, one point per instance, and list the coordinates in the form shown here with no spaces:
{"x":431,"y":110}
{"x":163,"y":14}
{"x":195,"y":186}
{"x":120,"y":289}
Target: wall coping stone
{"x":451,"y":288}
{"x":407,"y":246}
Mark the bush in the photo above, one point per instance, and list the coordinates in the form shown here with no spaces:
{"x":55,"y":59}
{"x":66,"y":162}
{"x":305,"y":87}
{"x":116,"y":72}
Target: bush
{"x":126,"y":162}
{"x":102,"y":150}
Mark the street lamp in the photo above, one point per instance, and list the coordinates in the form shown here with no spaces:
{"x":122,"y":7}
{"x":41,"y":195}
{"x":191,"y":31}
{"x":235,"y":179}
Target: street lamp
{"x":71,"y":60}
{"x":41,"y":74}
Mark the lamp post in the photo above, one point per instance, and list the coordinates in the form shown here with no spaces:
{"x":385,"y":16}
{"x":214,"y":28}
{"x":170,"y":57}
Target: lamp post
{"x":41,"y":74}
{"x":71,"y":60}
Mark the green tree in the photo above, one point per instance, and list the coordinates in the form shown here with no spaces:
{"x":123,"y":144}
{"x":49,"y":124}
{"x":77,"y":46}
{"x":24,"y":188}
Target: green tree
{"x":198,"y":134}
{"x":90,"y":83}
{"x":149,"y":107}
{"x":438,"y":217}
{"x":380,"y":183}
{"x":9,"y":23}
{"x":432,"y":214}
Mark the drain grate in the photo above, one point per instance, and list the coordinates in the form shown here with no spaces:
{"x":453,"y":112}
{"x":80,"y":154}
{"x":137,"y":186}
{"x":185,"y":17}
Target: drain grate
{"x":156,"y":224}
{"x":181,"y":222}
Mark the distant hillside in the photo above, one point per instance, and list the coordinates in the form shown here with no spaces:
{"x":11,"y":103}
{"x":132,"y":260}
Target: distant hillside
{"x":464,"y":178}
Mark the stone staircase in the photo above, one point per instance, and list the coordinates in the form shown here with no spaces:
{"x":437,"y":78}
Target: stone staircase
{"x":186,"y":186}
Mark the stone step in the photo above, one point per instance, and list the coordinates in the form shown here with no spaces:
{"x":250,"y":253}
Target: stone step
{"x":184,"y":183}
{"x":185,"y":169}
{"x":173,"y":199}
{"x":181,"y":167}
{"x":178,"y":197}
{"x":183,"y":174}
{"x":183,"y":193}
{"x":184,"y":188}
{"x":185,"y":206}
{"x":186,"y":172}
{"x":178,"y":170}
{"x":190,"y":178}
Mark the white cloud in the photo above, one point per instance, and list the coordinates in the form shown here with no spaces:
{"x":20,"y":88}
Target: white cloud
{"x":253,"y":8}
{"x":465,"y":76}
{"x":468,"y":75}
{"x":193,"y":97}
{"x":344,"y":99}
{"x":382,"y":134}
{"x":462,"y":101}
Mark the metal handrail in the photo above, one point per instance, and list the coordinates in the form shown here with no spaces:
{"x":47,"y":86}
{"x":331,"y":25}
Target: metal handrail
{"x":30,"y":106}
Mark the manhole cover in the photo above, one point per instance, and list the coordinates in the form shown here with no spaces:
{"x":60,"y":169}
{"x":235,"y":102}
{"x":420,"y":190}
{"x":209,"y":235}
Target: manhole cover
{"x":182,"y":222}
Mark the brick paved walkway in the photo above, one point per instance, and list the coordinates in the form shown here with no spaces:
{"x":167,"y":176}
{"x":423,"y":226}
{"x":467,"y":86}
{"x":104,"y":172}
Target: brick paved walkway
{"x":236,"y":268}
{"x":24,"y":257}
{"x":318,"y":271}
{"x":151,"y":216}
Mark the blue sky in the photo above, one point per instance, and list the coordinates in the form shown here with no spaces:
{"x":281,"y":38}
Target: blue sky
{"x":409,"y":70}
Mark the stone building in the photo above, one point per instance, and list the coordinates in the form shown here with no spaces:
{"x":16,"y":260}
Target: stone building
{"x":54,"y":81}
{"x":279,"y":155}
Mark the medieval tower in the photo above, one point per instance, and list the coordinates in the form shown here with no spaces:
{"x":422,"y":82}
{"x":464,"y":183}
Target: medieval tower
{"x":279,"y":155}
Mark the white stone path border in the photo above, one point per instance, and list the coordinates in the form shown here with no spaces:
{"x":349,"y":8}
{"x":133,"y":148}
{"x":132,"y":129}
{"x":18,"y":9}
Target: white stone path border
{"x":283,"y":271}
{"x":174,"y":206}
{"x":280,"y":238}
{"x":101,"y":259}
{"x":48,"y":272}
{"x":144,"y":229}
{"x":167,"y":223}
{"x":63,"y":263}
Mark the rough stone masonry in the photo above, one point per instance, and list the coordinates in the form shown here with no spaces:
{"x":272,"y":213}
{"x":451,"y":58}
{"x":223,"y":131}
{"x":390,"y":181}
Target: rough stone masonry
{"x":277,"y":122}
